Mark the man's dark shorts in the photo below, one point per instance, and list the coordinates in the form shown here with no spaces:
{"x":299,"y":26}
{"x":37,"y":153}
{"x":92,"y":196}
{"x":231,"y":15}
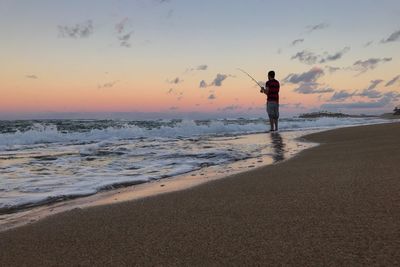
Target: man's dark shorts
{"x":273,"y":110}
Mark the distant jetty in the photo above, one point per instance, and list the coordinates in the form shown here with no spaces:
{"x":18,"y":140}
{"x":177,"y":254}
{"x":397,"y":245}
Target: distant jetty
{"x":327,"y":114}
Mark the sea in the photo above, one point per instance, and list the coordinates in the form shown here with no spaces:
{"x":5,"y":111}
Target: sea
{"x":46,"y":161}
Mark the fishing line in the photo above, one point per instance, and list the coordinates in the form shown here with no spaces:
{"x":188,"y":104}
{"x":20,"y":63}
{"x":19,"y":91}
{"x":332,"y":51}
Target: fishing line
{"x":245,"y":72}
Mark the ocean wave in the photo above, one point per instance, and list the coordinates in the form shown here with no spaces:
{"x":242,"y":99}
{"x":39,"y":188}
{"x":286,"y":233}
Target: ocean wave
{"x":45,"y":133}
{"x":44,"y":163}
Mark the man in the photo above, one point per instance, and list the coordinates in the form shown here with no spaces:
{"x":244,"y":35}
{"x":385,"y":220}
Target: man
{"x":271,"y":89}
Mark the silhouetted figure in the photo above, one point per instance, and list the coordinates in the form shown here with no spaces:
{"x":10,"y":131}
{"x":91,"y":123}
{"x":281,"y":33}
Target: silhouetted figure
{"x":271,"y":89}
{"x":278,"y":146}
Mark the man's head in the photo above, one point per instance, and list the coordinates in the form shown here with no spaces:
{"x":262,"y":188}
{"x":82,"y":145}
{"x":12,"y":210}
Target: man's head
{"x":271,"y":75}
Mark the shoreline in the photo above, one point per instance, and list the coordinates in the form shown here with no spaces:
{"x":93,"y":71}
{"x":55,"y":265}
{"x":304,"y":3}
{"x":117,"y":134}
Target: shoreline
{"x":294,"y":139}
{"x":162,"y":186}
{"x":334,"y":204}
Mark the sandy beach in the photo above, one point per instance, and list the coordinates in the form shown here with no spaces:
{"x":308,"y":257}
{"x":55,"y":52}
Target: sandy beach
{"x":335,"y":204}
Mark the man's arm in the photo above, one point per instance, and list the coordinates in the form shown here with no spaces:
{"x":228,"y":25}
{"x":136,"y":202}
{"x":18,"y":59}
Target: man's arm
{"x":264,"y":90}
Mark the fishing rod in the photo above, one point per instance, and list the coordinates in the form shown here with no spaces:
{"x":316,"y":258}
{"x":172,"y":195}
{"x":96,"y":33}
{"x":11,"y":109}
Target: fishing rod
{"x":245,"y":72}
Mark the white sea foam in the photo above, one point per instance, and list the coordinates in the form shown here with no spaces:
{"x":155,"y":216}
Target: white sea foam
{"x":49,"y":134}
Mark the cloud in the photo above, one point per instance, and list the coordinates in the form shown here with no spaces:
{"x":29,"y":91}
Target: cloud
{"x":177,"y":80}
{"x":374,"y":84}
{"x":335,"y":56}
{"x":332,"y":69}
{"x":312,"y":88}
{"x":123,"y":35}
{"x":359,"y":105}
{"x":306,"y":57}
{"x":212,"y":97}
{"x":392,"y":81}
{"x":198,"y":68}
{"x":305,"y":77}
{"x":174,"y":108}
{"x":219,"y":79}
{"x":310,"y":58}
{"x":370,"y":92}
{"x":125,"y":39}
{"x":341,"y":96}
{"x":107,"y":85}
{"x":172,"y":91}
{"x":31,"y":76}
{"x":368,"y":43}
{"x":297,"y":41}
{"x":394,"y":96}
{"x":202,"y":67}
{"x":369,"y":64}
{"x":307,"y":82}
{"x":317,"y":27}
{"x":203,"y":84}
{"x":384,"y":98}
{"x":216,"y":82}
{"x":120,"y":26}
{"x":81,"y":30}
{"x":392,"y":38}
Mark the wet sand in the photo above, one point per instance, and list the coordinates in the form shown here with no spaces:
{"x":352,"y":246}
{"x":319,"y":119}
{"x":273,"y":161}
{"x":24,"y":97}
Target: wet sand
{"x":335,"y":204}
{"x":282,"y":147}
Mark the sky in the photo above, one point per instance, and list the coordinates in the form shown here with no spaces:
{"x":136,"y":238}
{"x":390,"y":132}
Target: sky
{"x":182,"y":57}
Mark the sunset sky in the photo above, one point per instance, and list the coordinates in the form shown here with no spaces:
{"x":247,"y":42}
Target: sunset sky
{"x":181,"y":56}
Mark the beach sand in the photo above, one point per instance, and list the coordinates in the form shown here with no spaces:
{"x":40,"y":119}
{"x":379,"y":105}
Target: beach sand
{"x":335,"y":204}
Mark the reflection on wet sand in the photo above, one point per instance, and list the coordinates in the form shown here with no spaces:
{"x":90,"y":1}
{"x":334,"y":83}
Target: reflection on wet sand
{"x":278,"y":147}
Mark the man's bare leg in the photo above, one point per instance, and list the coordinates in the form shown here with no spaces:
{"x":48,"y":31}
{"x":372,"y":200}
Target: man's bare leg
{"x":271,"y":123}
